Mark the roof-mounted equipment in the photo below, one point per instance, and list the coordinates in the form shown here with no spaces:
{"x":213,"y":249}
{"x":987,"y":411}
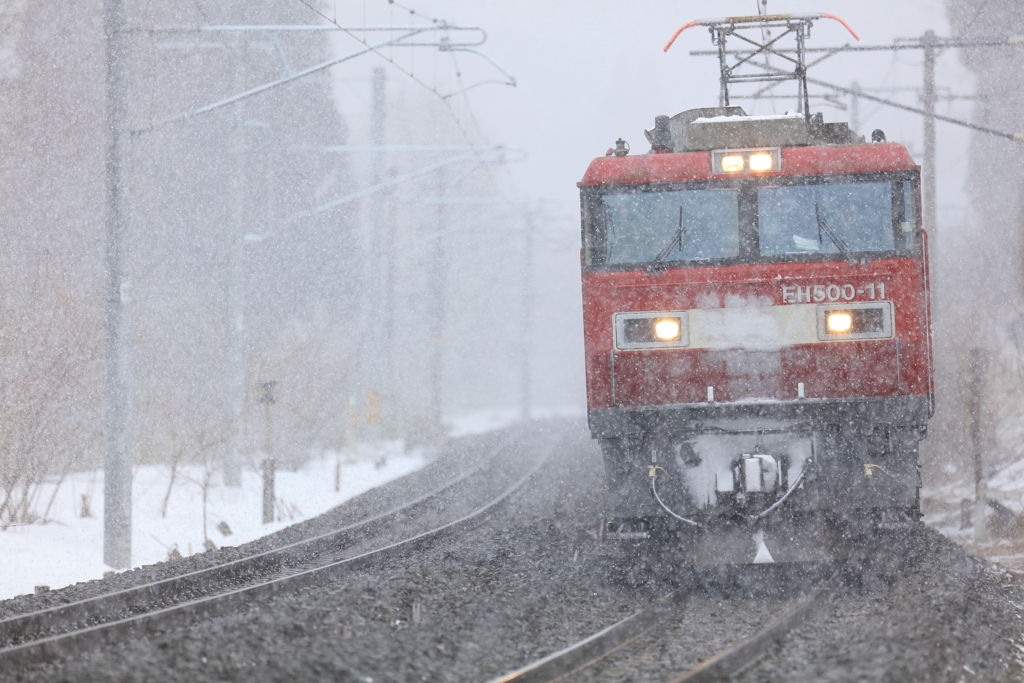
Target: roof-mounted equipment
{"x":796,"y":25}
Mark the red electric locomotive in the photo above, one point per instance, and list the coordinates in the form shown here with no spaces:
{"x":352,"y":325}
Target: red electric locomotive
{"x":756,"y":314}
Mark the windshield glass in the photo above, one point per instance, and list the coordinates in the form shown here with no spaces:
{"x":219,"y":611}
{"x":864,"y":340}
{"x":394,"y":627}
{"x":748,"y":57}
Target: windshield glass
{"x":834,"y":218}
{"x":672,"y":226}
{"x":778,"y":218}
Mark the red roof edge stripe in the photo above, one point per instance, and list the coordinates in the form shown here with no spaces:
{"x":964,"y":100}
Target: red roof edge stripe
{"x":666,"y":168}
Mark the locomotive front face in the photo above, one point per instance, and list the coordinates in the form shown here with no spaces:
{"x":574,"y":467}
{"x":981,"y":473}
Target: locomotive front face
{"x":757,"y":334}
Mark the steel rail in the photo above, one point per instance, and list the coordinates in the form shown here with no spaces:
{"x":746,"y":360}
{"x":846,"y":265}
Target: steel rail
{"x":206,"y":605}
{"x":592,"y":649}
{"x":744,"y":653}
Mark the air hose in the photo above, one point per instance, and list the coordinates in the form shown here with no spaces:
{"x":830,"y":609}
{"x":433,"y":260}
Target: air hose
{"x":653,"y":473}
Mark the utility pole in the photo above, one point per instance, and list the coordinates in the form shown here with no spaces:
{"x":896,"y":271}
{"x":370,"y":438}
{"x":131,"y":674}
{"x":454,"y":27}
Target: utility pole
{"x":977,"y":378}
{"x":394,"y":418}
{"x":235,"y":323}
{"x":117,"y":387}
{"x":382,"y":270}
{"x":525,"y":384}
{"x":927,"y":44}
{"x":438,"y":285}
{"x":386,"y":227}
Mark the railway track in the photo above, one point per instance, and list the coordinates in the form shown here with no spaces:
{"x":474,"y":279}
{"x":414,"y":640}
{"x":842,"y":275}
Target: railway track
{"x":158,"y":606}
{"x":576,"y":661}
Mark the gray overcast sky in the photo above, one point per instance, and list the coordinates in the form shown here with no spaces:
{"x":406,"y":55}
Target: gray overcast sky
{"x":590,"y":71}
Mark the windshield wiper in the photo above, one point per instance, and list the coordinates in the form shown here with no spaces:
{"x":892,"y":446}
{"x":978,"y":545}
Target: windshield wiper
{"x":677,"y":238}
{"x":832,"y":234}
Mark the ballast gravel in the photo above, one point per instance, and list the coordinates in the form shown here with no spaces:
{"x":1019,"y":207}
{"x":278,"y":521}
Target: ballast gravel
{"x":507,"y":592}
{"x":923,"y":611}
{"x":535,"y":578}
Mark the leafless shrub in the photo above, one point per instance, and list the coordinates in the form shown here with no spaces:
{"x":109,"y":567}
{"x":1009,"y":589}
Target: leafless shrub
{"x":49,"y":340}
{"x":311,"y":409}
{"x":189,"y":437}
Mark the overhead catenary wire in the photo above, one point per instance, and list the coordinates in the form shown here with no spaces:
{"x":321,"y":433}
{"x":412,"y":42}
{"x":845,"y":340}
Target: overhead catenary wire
{"x":446,"y":99}
{"x":929,"y":42}
{"x":1016,"y":137}
{"x":435,"y":25}
{"x":267,"y":86}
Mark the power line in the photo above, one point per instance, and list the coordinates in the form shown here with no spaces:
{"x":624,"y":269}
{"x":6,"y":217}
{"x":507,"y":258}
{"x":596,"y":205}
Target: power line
{"x":444,"y":47}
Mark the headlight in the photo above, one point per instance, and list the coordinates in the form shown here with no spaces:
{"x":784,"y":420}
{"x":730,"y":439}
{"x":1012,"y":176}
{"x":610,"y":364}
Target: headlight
{"x":838,"y":321}
{"x":732,"y":163}
{"x":746,"y":160}
{"x":651,"y":330}
{"x":761,"y":161}
{"x":667,"y":329}
{"x":854,"y":321}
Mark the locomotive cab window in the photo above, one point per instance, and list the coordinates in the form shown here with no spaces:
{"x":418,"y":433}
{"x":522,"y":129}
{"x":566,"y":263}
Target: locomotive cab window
{"x":744,"y":220}
{"x":838,"y":217}
{"x":681,"y":225}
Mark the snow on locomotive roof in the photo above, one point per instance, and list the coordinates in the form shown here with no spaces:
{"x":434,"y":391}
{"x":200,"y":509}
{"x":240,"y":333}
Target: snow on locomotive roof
{"x":698,"y":130}
{"x":747,"y":117}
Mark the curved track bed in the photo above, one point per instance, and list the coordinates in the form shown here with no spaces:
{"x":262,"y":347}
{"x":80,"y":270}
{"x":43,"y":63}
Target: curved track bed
{"x":534,"y":579}
{"x":179,"y":601}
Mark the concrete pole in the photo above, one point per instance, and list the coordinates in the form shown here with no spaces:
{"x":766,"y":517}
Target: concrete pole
{"x":525,"y":377}
{"x":392,"y":379}
{"x":380,"y":284}
{"x":928,"y":170}
{"x":235,"y":324}
{"x":235,"y":341}
{"x":438,"y":287}
{"x":977,"y":389}
{"x":117,"y":388}
{"x":392,"y":386}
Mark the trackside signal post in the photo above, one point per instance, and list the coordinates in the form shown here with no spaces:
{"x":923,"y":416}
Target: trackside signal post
{"x":269,"y":463}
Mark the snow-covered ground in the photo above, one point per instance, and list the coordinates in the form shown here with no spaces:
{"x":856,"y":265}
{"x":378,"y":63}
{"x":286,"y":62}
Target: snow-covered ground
{"x":1003,"y":541}
{"x":482,"y":421}
{"x":68,"y":548}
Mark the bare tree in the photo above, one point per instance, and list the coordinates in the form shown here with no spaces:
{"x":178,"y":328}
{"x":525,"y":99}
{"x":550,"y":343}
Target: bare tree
{"x":49,"y":343}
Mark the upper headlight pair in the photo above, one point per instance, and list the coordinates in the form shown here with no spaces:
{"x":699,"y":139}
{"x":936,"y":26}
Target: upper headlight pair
{"x":746,"y":160}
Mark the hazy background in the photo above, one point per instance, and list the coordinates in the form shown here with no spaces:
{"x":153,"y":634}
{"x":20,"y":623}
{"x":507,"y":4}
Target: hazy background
{"x":261,"y":250}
